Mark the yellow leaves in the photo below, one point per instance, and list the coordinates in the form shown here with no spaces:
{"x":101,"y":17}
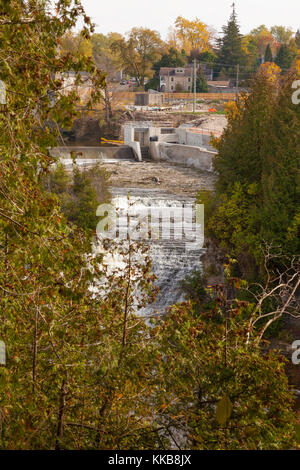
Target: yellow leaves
{"x":192,"y":34}
{"x":231,"y":109}
{"x":271,"y":71}
{"x":224,"y":410}
{"x":215,"y":141}
{"x":234,"y":109}
{"x":297,"y":65}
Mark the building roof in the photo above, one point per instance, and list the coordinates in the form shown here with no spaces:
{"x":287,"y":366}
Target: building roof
{"x":188,"y":70}
{"x":171,"y":71}
{"x":219,"y":83}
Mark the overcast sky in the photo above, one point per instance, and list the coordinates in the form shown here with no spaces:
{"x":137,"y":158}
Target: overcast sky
{"x":122,"y":15}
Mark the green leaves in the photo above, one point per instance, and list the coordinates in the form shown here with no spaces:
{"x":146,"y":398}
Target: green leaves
{"x":256,"y":201}
{"x":297,"y":432}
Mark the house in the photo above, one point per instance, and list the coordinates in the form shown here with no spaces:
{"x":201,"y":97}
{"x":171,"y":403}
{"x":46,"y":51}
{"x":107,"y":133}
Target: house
{"x":180,"y":78}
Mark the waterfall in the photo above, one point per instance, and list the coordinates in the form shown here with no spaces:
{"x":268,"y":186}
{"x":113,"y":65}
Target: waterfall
{"x":172,"y":262}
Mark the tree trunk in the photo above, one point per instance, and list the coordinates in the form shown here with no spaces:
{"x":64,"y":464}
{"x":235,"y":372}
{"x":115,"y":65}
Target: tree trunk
{"x":61,"y":414}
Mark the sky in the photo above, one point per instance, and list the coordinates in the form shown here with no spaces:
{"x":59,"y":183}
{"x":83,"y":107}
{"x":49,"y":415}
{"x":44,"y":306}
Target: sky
{"x":122,"y":15}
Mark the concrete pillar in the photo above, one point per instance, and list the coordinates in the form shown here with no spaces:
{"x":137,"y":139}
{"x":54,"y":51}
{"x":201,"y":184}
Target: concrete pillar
{"x":128,"y":134}
{"x":153,"y":132}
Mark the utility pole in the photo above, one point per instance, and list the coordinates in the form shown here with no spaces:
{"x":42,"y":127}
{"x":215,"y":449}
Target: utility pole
{"x":237,"y":81}
{"x":195,"y":86}
{"x":168,"y":87}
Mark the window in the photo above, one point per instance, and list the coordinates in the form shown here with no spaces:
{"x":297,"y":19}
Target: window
{"x":172,"y":88}
{"x":172,"y":79}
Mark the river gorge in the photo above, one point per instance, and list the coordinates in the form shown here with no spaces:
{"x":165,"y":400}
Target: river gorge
{"x":156,"y":185}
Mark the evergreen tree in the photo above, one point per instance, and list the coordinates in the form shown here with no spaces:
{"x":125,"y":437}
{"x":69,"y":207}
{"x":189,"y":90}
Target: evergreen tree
{"x":280,"y":177}
{"x":257,"y":198}
{"x":297,"y":38}
{"x":201,"y":83}
{"x":231,"y":52}
{"x":268,"y":54}
{"x":285,"y":58}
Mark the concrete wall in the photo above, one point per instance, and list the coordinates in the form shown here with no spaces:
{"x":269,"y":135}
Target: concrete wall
{"x":149,"y":99}
{"x":136,"y":149}
{"x":171,"y":138}
{"x":195,"y":157}
{"x":92,"y":152}
{"x":187,"y":137}
{"x":149,"y":131}
{"x":128,"y":134}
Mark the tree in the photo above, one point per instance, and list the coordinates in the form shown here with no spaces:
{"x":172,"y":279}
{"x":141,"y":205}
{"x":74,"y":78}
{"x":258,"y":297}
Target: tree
{"x":209,"y":58}
{"x":172,"y":40}
{"x":109,"y":62}
{"x":250,"y":47}
{"x":192,"y":34}
{"x":257,"y":191}
{"x":139,"y":52}
{"x":217,"y":391}
{"x":284,"y":58}
{"x":201,"y":83}
{"x":281,"y":34}
{"x":172,"y":58}
{"x":268,"y":54}
{"x":79,"y":193}
{"x":257,"y":42}
{"x":231,"y":51}
{"x":281,"y":190}
{"x":61,"y":387}
{"x":297,"y":38}
{"x":83,"y":369}
{"x":76,"y":45}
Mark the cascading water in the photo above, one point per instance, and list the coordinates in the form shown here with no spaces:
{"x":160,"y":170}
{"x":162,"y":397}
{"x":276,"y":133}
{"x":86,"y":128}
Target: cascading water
{"x":172,"y":262}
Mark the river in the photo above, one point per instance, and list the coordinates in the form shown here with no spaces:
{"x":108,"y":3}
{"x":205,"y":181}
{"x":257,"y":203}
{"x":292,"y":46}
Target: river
{"x":154,"y":184}
{"x":161,"y":184}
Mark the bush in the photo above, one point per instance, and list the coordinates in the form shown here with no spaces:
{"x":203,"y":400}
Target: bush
{"x":80,"y":193}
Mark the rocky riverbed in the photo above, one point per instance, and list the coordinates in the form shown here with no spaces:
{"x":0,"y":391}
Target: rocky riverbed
{"x":163,"y":176}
